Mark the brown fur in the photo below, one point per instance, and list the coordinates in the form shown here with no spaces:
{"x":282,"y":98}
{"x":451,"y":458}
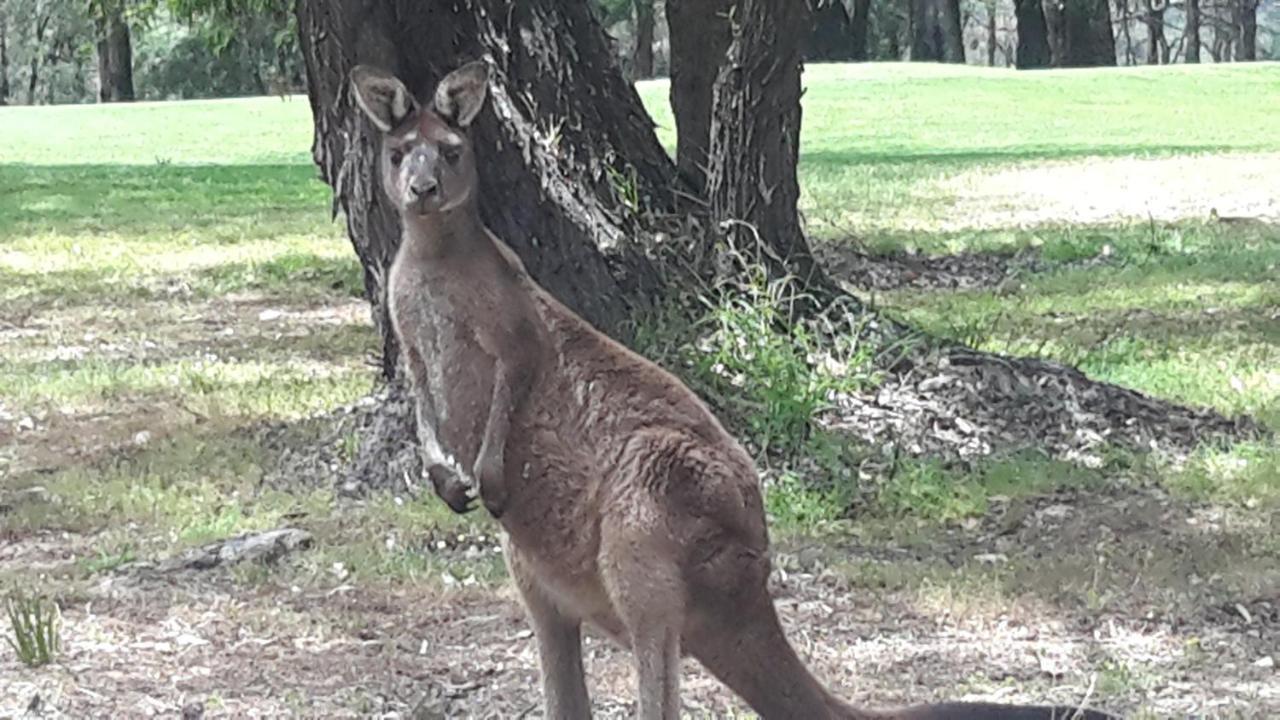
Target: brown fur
{"x":625,"y":502}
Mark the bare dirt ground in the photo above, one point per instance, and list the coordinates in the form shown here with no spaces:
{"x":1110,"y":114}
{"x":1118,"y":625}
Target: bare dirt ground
{"x":1172,"y":629}
{"x":1106,"y":190}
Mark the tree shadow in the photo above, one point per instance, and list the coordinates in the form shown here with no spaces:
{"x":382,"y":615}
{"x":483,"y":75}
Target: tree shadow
{"x":147,"y":200}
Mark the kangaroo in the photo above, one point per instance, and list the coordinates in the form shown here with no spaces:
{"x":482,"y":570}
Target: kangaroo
{"x":623,"y":500}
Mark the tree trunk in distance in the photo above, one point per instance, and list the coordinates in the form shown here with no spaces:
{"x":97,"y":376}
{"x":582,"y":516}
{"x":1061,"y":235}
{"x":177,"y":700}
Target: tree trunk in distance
{"x":1080,"y":33}
{"x":936,"y":34}
{"x":1247,"y":45}
{"x":642,"y":57}
{"x":4,"y":59}
{"x":699,"y":38}
{"x":859,"y":31}
{"x":1192,"y":52}
{"x":1155,"y":31}
{"x":831,"y":38}
{"x":1033,"y":35}
{"x":991,"y":34}
{"x":115,"y":59}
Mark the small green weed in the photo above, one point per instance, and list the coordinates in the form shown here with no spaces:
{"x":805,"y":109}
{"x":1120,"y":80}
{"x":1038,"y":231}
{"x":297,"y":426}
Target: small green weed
{"x":36,"y":623}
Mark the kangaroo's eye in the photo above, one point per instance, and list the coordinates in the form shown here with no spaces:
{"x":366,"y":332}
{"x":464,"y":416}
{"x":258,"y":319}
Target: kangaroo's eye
{"x":397,"y":157}
{"x":451,"y":154}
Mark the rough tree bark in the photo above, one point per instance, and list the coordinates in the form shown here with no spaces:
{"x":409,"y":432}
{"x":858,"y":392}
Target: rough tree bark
{"x":1033,"y":35}
{"x":115,"y":58}
{"x":699,"y":38}
{"x":755,"y":137}
{"x":642,"y":55}
{"x":1192,"y":43}
{"x":831,"y":38}
{"x":936,"y":33}
{"x":1080,"y":33}
{"x":859,"y":31}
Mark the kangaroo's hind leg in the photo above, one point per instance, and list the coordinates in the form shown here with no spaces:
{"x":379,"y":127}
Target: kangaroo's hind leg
{"x":559,"y":639}
{"x":643,"y":583}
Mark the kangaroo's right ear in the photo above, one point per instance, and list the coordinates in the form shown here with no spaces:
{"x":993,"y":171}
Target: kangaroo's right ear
{"x":384,"y":99}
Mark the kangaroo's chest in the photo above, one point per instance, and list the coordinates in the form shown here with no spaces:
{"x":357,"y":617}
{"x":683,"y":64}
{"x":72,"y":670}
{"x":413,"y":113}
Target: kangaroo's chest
{"x":450,"y":371}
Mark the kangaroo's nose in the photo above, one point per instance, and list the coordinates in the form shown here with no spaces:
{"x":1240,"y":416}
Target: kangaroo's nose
{"x":426,"y":187}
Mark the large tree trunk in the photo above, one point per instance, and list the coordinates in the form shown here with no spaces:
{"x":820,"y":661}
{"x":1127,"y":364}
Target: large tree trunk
{"x":832,"y":36}
{"x":699,"y":38}
{"x":1247,"y":42}
{"x":1192,"y":32}
{"x":859,"y":31}
{"x":1033,"y":35}
{"x":936,"y":33}
{"x":642,"y":56}
{"x":755,"y":137}
{"x":1080,"y":33}
{"x":115,"y":59}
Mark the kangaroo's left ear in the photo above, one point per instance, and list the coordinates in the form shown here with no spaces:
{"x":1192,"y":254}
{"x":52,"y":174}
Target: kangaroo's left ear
{"x":460,"y":95}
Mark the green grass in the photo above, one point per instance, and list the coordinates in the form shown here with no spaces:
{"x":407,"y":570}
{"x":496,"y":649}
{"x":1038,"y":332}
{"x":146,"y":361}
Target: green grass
{"x":138,"y":245}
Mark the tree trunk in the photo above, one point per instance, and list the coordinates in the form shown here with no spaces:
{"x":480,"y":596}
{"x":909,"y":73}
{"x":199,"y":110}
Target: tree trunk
{"x":936,"y":33}
{"x":42,"y":25}
{"x":4,"y":59}
{"x":1080,"y":33}
{"x":642,"y":56}
{"x":1033,"y":35}
{"x":1155,"y":31}
{"x":859,"y":31}
{"x":699,"y":38}
{"x":1192,"y":32}
{"x":1247,"y":44}
{"x":832,"y":36}
{"x":115,"y":59}
{"x":991,"y":34}
{"x":755,"y":137}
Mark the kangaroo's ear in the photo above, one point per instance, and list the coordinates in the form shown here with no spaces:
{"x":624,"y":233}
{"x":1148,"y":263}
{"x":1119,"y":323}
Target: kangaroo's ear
{"x":460,"y":95}
{"x":384,"y":99}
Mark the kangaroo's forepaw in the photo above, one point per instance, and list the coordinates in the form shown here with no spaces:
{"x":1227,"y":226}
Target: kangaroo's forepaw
{"x":457,"y":494}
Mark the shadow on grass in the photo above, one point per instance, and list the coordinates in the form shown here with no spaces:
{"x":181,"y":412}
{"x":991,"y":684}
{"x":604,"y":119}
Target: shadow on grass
{"x":160,"y":199}
{"x":294,"y":275}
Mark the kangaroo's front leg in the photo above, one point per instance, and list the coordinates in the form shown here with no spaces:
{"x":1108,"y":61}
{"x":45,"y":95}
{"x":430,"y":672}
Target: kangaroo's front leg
{"x":511,"y":379}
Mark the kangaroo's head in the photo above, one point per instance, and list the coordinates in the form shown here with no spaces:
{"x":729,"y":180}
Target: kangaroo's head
{"x":427,"y":165}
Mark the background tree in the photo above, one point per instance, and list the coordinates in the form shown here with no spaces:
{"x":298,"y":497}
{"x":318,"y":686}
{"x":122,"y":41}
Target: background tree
{"x":1033,"y":35}
{"x":1080,"y":33}
{"x":642,"y":56}
{"x":859,"y":30}
{"x":4,"y":55}
{"x":1247,"y":24}
{"x":831,"y":37}
{"x":1191,"y":33}
{"x":113,"y":37}
{"x":1157,"y":44}
{"x":936,"y":31}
